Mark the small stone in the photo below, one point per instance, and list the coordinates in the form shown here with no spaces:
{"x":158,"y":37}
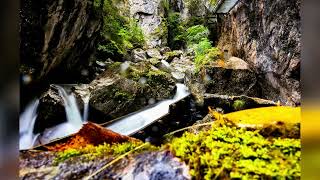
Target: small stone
{"x":154,"y":53}
{"x":138,"y":55}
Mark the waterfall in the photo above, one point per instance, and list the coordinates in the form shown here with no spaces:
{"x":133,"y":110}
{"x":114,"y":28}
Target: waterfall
{"x":26,"y":126}
{"x":86,"y":99}
{"x":74,"y":119}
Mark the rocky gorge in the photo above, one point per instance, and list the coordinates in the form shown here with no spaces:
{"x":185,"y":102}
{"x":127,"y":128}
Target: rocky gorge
{"x":222,"y":91}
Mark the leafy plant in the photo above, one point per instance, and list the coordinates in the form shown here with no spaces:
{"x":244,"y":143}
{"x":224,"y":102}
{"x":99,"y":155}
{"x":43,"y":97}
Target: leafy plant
{"x":176,"y":38}
{"x":119,"y":34}
{"x":196,"y":34}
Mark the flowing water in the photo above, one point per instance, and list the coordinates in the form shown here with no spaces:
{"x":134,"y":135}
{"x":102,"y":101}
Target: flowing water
{"x":126,"y":126}
{"x":133,"y":123}
{"x":74,"y":119}
{"x":26,"y":125}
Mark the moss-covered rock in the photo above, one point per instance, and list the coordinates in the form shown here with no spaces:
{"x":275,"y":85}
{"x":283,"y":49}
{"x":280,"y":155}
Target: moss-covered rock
{"x":128,"y":87}
{"x":226,"y":152}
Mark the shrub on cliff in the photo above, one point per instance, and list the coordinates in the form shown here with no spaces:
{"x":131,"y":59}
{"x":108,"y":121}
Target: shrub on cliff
{"x":119,"y":34}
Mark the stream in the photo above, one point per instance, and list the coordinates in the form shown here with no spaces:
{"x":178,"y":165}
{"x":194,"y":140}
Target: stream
{"x":127,"y":125}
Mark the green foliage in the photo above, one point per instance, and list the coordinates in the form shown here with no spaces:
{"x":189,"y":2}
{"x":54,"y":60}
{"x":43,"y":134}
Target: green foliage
{"x":229,"y":152}
{"x":176,"y":38}
{"x":119,"y":34}
{"x":193,"y":6}
{"x":196,"y":34}
{"x":239,"y":105}
{"x":205,"y":53}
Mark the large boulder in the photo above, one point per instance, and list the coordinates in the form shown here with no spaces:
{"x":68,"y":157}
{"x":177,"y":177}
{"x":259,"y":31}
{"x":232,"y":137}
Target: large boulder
{"x":128,"y":87}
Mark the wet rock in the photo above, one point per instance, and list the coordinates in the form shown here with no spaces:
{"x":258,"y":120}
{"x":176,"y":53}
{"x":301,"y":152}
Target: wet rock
{"x":138,"y":55}
{"x":147,"y":165}
{"x":165,"y":66}
{"x":235,"y":103}
{"x":154,"y":53}
{"x":51,"y":110}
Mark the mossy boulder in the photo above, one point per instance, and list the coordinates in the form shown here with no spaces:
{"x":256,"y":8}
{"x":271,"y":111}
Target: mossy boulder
{"x":228,"y":152}
{"x":128,"y":87}
{"x":169,"y":56}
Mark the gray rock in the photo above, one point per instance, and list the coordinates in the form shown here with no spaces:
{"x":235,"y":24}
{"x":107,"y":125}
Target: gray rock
{"x":273,"y":48}
{"x":178,"y":76}
{"x":154,"y":53}
{"x":165,"y":66}
{"x":150,"y":16}
{"x":164,"y":50}
{"x":138,"y":55}
{"x":145,"y":165}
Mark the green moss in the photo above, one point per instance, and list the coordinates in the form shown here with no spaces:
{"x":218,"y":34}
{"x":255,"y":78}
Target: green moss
{"x":229,"y":152}
{"x":91,"y":152}
{"x":123,"y":96}
{"x":62,"y":156}
{"x":239,"y":105}
{"x":156,"y":77}
{"x":115,"y":66}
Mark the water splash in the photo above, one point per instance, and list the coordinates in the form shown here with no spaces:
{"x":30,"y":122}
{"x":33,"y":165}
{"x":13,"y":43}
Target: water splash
{"x":26,"y":125}
{"x":74,"y":119}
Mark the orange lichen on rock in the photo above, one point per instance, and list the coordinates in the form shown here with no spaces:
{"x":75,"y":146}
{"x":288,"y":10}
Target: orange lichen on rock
{"x":90,"y":134}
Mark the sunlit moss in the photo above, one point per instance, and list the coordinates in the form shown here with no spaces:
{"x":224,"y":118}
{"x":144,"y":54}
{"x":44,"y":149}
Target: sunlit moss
{"x":230,"y":152}
{"x":91,"y":152}
{"x":266,"y":115}
{"x":238,"y":105}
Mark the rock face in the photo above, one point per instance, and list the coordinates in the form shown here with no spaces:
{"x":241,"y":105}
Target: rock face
{"x":150,"y":16}
{"x":267,"y":35}
{"x":233,"y":77}
{"x":56,"y":33}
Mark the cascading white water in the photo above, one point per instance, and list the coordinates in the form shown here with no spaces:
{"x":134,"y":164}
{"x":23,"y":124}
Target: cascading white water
{"x":86,"y":108}
{"x":125,"y":126}
{"x":74,"y":119}
{"x":138,"y":121}
{"x":26,"y":126}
